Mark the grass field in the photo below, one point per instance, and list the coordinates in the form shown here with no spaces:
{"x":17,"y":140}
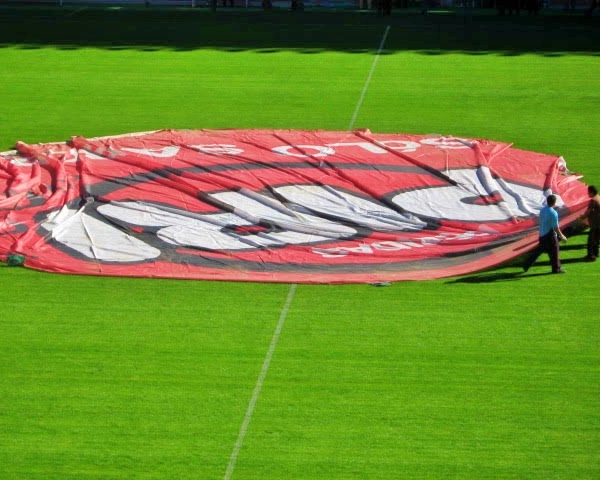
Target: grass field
{"x":494,"y":375}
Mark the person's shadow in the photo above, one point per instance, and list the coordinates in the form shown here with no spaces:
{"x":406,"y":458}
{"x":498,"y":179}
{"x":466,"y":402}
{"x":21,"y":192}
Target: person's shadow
{"x":567,"y":248}
{"x":489,"y":277}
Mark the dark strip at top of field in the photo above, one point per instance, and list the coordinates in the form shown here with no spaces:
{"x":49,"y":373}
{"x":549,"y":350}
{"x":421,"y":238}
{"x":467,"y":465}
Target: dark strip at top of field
{"x":153,"y":28}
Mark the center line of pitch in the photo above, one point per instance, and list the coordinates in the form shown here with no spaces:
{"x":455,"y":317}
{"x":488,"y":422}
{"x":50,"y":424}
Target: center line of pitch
{"x":277,"y":333}
{"x":259,"y":383}
{"x":368,"y":81}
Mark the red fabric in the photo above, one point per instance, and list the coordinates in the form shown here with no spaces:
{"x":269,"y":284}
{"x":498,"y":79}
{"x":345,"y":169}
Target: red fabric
{"x":276,"y":205}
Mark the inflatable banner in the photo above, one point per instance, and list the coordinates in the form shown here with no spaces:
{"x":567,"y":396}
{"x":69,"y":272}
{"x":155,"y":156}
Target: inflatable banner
{"x":276,"y":205}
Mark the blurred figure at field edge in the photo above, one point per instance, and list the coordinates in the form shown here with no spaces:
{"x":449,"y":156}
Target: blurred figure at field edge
{"x":592,"y":7}
{"x":592,"y":215}
{"x":549,"y":235}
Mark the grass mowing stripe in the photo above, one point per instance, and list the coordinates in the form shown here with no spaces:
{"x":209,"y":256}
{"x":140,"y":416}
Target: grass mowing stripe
{"x":259,"y":383}
{"x":368,"y":81}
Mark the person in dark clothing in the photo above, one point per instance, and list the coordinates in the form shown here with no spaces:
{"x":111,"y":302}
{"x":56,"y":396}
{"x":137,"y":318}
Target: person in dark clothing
{"x":592,"y":215}
{"x":592,"y":7}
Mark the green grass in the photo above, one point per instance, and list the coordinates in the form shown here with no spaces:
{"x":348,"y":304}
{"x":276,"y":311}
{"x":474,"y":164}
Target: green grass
{"x":490,"y":376}
{"x":116,"y":378}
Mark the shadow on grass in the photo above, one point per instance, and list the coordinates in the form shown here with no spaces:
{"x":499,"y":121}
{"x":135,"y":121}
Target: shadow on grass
{"x":501,"y":276}
{"x":489,"y":277}
{"x":233,"y":30}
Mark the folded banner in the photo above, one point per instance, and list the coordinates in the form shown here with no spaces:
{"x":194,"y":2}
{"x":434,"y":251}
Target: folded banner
{"x":276,"y":205}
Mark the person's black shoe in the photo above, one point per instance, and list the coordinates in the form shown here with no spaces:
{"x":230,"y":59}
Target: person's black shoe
{"x":560,"y":271}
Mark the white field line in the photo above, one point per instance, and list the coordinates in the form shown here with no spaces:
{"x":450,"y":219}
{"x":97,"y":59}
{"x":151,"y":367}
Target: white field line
{"x":368,"y":81}
{"x":259,"y":383}
{"x":282,"y":317}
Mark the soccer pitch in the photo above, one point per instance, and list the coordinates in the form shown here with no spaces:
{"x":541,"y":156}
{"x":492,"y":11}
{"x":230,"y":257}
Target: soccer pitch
{"x":493,"y":375}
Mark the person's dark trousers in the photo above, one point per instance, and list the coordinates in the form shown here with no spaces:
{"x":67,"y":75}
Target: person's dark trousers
{"x":547,"y":244}
{"x":593,"y":242}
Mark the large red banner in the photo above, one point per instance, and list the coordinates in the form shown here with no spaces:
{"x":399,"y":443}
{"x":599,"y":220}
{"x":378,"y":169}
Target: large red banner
{"x":276,"y":205}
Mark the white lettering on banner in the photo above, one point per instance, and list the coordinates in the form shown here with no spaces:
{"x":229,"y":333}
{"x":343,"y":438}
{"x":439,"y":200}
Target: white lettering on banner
{"x":390,"y":246}
{"x":369,"y":147}
{"x":218,"y":149}
{"x":164,"y":152}
{"x":68,"y":156}
{"x":303,"y":151}
{"x":320,"y":151}
{"x":402,"y":145}
{"x":22,"y":161}
{"x":447,"y":143}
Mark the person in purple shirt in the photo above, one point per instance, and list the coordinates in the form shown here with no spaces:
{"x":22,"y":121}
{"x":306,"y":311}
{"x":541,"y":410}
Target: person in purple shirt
{"x":550,"y":234}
